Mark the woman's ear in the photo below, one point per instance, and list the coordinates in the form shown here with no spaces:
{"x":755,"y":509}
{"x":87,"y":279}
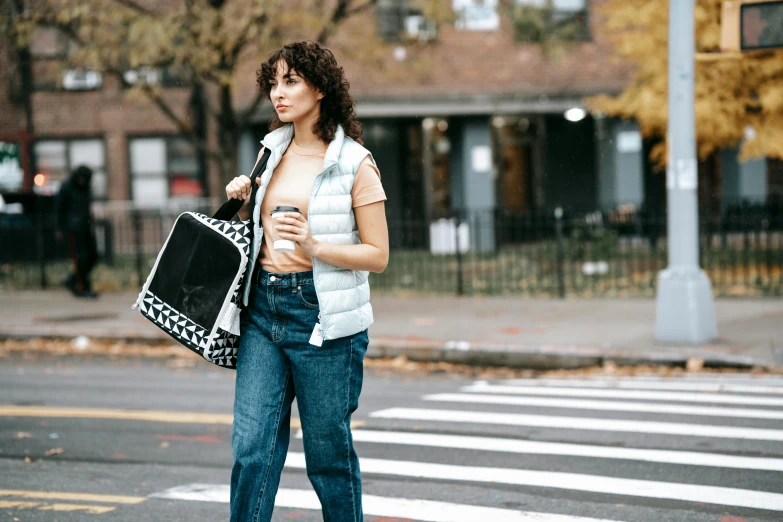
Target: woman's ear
{"x":319,"y":95}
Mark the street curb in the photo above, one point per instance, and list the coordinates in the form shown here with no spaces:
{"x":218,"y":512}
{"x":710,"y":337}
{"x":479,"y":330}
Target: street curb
{"x":552,"y":356}
{"x":118,"y":336}
{"x":534,"y":357}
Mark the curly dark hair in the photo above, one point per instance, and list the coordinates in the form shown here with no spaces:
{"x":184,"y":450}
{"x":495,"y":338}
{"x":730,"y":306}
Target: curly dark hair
{"x":319,"y":69}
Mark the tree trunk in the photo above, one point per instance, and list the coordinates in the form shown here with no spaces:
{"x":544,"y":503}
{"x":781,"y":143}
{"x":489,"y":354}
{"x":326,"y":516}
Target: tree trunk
{"x":228,"y":164}
{"x":228,"y":137}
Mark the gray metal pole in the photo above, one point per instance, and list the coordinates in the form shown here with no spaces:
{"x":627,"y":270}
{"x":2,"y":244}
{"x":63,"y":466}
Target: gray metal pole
{"x":685,"y":312}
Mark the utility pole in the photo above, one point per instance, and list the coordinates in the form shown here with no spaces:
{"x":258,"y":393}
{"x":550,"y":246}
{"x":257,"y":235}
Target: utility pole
{"x":685,"y":312}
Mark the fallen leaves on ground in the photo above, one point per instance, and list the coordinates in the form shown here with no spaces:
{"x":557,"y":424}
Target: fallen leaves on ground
{"x":402,"y":364}
{"x":30,"y":348}
{"x":181,"y":357}
{"x":694,"y":364}
{"x":54,"y":451}
{"x":22,"y":435}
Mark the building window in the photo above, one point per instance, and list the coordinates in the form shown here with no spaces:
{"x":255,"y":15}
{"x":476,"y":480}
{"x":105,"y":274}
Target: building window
{"x":168,"y":76}
{"x":55,"y":159}
{"x":81,"y":80}
{"x":164,"y":168}
{"x":398,"y":21}
{"x":11,"y":174}
{"x":476,"y":15}
{"x":536,"y":20}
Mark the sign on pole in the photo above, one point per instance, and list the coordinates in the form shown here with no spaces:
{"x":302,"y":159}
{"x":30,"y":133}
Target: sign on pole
{"x":752,"y":25}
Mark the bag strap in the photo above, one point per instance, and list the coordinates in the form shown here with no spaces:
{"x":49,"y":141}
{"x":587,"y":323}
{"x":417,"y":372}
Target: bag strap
{"x":229,"y":209}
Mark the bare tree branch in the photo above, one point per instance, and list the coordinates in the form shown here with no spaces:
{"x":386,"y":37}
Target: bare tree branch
{"x":244,"y":117}
{"x":136,"y":7}
{"x":337,"y":15}
{"x":360,"y":8}
{"x":242,"y":39}
{"x":183,"y":127}
{"x":188,"y":28}
{"x":153,"y":96}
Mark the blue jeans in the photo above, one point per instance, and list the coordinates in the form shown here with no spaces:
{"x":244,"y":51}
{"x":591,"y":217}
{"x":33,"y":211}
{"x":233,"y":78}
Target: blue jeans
{"x":276,"y":363}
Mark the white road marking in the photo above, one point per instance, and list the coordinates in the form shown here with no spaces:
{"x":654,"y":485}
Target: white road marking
{"x":770,"y":379}
{"x":571,"y":481}
{"x":416,"y":509}
{"x":624,"y":394}
{"x":577,"y":404}
{"x":580,"y":423}
{"x":691,"y":458}
{"x":709,"y":387}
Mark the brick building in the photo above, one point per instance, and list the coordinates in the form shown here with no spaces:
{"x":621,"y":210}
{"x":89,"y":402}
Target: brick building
{"x":468,"y":116}
{"x":472,"y":117}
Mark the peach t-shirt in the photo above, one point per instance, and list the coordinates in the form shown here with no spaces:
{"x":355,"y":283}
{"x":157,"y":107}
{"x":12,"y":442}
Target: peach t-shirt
{"x":290,"y":186}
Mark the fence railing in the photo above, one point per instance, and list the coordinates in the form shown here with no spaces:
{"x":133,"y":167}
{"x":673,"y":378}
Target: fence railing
{"x":545,"y":253}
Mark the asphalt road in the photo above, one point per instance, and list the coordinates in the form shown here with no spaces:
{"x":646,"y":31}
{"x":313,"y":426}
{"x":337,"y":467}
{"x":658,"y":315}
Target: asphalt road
{"x":137,"y":440}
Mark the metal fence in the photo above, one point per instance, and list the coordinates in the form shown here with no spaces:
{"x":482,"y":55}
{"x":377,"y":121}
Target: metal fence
{"x":546,"y":253}
{"x":578,"y":254}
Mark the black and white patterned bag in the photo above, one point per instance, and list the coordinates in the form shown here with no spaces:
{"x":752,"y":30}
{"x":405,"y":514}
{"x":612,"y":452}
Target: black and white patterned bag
{"x":193,"y":292}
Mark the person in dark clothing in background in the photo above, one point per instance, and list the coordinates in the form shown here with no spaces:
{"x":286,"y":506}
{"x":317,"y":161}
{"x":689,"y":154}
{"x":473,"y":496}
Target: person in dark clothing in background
{"x":74,"y":222}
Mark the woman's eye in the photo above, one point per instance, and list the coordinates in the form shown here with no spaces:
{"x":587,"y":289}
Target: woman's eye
{"x":291,"y":82}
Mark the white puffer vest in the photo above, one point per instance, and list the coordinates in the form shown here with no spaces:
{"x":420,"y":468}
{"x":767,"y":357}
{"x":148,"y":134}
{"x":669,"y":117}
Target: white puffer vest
{"x":343,"y":295}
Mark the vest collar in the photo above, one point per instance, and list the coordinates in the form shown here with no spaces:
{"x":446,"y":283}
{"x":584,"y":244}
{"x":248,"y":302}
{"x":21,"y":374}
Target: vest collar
{"x":333,"y":151}
{"x":278,"y":140}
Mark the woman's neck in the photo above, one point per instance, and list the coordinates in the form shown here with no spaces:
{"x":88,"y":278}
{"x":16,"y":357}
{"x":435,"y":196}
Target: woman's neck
{"x":304,"y":136}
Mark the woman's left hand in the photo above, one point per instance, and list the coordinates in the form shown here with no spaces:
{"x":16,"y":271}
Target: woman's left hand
{"x":294,"y":226}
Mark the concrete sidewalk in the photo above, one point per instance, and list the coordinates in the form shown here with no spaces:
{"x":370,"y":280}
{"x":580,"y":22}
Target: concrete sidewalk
{"x":505,"y":331}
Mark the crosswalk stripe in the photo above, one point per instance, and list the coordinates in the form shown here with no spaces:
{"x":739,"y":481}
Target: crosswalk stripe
{"x":771,"y":379}
{"x":502,"y":445}
{"x":415,"y":509}
{"x":580,"y":423}
{"x":571,"y":481}
{"x":641,"y":407}
{"x":483,"y":387}
{"x":710,"y":387}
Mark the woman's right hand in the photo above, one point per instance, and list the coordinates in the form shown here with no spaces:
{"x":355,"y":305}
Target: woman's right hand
{"x":239,"y":188}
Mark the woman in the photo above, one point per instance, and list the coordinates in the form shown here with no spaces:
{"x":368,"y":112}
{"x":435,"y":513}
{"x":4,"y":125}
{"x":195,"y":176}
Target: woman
{"x":304,"y":326}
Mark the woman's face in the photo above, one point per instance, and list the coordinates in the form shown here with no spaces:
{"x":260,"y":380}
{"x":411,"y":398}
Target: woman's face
{"x":293,"y":98}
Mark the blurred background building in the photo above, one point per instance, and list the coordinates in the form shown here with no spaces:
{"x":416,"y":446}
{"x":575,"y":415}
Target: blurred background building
{"x":481,"y":115}
{"x":490,"y":123}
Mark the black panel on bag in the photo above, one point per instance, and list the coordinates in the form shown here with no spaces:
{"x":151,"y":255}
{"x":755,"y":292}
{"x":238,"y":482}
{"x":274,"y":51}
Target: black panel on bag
{"x":201,"y":255}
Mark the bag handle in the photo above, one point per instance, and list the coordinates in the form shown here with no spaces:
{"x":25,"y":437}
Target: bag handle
{"x":229,"y":209}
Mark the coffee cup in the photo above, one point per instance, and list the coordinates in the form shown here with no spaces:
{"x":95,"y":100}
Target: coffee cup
{"x":283,"y":245}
